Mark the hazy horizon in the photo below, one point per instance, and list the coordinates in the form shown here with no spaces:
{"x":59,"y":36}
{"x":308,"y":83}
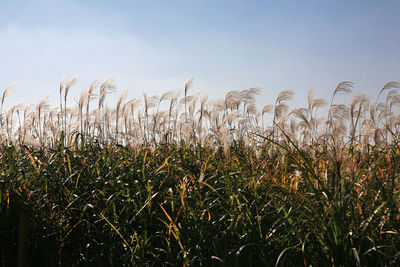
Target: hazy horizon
{"x":155,"y":46}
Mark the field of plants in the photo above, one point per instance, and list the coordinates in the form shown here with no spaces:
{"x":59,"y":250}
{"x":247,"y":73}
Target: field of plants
{"x":182,"y":180}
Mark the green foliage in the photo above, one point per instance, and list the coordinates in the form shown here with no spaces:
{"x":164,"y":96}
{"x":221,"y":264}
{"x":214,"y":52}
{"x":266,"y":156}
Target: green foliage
{"x":111,"y":205}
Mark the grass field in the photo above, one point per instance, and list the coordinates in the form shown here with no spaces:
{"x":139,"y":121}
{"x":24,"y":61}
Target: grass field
{"x":201,"y":182}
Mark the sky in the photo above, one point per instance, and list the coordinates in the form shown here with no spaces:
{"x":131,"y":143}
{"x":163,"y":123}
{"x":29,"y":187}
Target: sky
{"x":155,"y":46}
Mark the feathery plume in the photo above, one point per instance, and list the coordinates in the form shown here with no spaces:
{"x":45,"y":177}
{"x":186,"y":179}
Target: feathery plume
{"x":17,"y":106}
{"x":233,"y":99}
{"x":390,"y":85}
{"x":106,"y":87}
{"x":83,"y":98}
{"x":186,"y":99}
{"x":310,"y":98}
{"x":43,"y":104}
{"x":167,"y":95}
{"x":268,"y":109}
{"x":285,"y":95}
{"x":121,"y":99}
{"x":343,"y":87}
{"x":62,"y":85}
{"x":252,"y":92}
{"x":188,"y":85}
{"x":93,"y":85}
{"x":280,"y":110}
{"x":301,"y":113}
{"x":71,"y":82}
{"x":7,"y":92}
{"x":319,"y":103}
{"x":394,"y":100}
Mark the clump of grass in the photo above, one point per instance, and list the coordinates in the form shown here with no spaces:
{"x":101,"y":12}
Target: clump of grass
{"x":195,"y":119}
{"x":215,"y":186}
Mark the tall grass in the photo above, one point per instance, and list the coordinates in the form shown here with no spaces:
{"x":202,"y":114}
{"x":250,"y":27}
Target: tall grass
{"x":203,"y":182}
{"x":213,"y":123}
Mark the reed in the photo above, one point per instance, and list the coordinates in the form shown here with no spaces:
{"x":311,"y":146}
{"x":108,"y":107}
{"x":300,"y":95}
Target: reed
{"x":199,"y":181}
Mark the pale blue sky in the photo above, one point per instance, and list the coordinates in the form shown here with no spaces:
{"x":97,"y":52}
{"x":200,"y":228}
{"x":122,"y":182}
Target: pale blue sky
{"x":154,"y":46}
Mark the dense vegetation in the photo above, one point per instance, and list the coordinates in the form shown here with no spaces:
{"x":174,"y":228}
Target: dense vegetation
{"x":210,"y":187}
